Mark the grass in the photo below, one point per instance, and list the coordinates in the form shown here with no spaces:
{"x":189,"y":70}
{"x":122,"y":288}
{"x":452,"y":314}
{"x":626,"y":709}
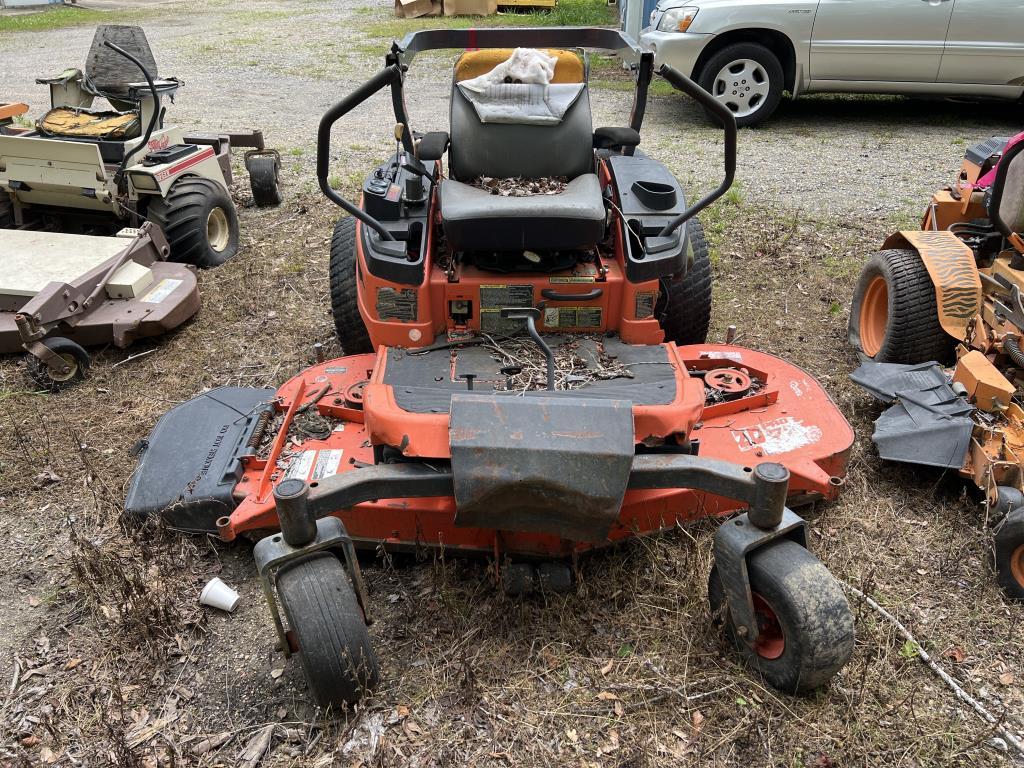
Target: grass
{"x":52,"y":18}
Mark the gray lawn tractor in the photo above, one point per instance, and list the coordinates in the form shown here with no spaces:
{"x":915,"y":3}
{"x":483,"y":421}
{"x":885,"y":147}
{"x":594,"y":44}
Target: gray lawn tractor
{"x":94,"y":171}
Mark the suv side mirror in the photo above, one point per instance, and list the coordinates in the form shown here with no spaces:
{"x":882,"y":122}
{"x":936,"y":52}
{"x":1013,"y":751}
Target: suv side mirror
{"x":1006,"y":207}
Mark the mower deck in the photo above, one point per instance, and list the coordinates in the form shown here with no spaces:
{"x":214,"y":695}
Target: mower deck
{"x":348,"y":415}
{"x":40,"y":270}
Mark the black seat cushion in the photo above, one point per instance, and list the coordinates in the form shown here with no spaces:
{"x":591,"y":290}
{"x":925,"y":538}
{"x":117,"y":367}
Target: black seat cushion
{"x":476,"y":220}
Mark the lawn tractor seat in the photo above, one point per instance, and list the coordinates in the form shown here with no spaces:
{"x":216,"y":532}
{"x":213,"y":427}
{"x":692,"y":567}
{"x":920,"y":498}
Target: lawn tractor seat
{"x":1006,"y":206}
{"x":109,"y":75}
{"x":492,"y":135}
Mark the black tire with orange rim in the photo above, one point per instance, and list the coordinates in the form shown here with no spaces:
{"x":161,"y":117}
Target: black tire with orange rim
{"x":1009,"y":545}
{"x":894,"y":317}
{"x":805,"y":625}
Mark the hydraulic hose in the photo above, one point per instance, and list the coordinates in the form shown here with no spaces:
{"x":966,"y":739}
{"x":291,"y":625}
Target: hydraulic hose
{"x":152,"y":120}
{"x":1011,"y":344}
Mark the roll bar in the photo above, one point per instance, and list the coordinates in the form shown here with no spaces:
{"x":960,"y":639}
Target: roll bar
{"x":400,"y":57}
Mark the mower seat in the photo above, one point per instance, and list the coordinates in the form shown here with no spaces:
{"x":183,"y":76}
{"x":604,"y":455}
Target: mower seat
{"x":476,"y":220}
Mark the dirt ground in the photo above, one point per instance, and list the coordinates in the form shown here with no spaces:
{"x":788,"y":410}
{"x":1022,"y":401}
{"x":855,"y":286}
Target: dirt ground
{"x":109,"y":660}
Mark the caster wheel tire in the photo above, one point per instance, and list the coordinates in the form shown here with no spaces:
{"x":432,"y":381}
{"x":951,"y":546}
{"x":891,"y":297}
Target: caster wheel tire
{"x":685,"y":310}
{"x":1009,"y":544}
{"x":263,"y":179}
{"x":556,"y":577}
{"x":805,"y":623}
{"x":894,"y":317}
{"x":518,"y":579}
{"x":344,"y":293}
{"x":333,"y":645}
{"x":199,"y":220}
{"x":74,"y":355}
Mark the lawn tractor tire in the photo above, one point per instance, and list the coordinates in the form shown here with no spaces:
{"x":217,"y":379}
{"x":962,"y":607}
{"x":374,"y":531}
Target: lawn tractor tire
{"x":805,"y":622}
{"x":199,"y":221}
{"x":894,"y":316}
{"x":329,"y":628}
{"x":756,"y":89}
{"x":685,"y":310}
{"x":263,"y":179}
{"x":74,"y":355}
{"x":352,"y":334}
{"x":1009,"y":546}
{"x":6,"y":211}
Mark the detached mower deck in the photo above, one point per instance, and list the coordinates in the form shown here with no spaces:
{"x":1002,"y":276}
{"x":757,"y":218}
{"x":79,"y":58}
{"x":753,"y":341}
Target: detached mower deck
{"x":525,"y":378}
{"x":60,"y":293}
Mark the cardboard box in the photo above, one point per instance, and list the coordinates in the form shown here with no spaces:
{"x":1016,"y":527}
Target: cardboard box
{"x":411,"y":9}
{"x":470,"y":7}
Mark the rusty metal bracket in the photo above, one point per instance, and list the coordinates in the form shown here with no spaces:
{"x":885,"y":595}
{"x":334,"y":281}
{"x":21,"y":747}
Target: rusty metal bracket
{"x":273,"y":555}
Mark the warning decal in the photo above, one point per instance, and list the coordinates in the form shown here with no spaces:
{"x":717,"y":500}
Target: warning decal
{"x":161,"y":291}
{"x":573,"y":317}
{"x":500,"y":296}
{"x":323,"y":463}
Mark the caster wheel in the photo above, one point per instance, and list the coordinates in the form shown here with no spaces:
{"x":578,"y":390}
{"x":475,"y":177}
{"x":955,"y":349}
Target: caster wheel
{"x":264,"y":168}
{"x":555,"y":576}
{"x":1009,"y":544}
{"x":76,"y":358}
{"x":518,"y":579}
{"x":805,"y":626}
{"x":328,"y":626}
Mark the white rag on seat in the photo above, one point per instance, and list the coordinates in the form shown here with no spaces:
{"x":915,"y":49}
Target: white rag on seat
{"x":525,"y":65}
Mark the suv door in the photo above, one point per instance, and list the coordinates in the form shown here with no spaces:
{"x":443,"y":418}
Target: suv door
{"x":985,"y":43}
{"x":882,"y":40}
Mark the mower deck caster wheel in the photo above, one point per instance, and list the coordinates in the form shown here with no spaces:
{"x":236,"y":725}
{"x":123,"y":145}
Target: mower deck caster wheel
{"x":518,"y":579}
{"x":1009,"y":545}
{"x":263,"y":178}
{"x":556,"y":577}
{"x":329,"y":630}
{"x":74,"y":355}
{"x":805,"y":626}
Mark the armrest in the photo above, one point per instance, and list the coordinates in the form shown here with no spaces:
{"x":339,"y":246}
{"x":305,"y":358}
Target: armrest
{"x":616,"y":138}
{"x":432,"y":146}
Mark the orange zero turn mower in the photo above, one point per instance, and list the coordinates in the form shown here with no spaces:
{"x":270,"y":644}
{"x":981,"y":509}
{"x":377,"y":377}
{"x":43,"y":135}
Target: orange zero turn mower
{"x":525,"y":378}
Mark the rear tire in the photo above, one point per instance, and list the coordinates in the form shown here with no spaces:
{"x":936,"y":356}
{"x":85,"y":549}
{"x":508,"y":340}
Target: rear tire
{"x":199,"y":221}
{"x":334,"y":646}
{"x":6,"y":211}
{"x":805,"y":621}
{"x":753,"y":93}
{"x":1009,"y":544}
{"x":74,"y":355}
{"x":894,"y":316}
{"x":686,"y":313}
{"x":348,"y":322}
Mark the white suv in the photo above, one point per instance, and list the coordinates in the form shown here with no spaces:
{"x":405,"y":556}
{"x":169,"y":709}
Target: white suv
{"x":747,"y":52}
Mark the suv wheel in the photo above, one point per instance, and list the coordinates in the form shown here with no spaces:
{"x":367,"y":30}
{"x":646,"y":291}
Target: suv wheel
{"x":747,"y":78}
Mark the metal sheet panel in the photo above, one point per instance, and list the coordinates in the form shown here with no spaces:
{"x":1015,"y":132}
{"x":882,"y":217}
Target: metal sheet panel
{"x":540,"y":464}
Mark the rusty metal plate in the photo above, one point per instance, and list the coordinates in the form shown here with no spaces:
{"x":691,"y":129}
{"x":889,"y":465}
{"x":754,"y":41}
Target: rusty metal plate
{"x":540,"y":464}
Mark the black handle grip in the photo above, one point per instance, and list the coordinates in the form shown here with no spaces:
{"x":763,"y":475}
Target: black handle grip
{"x":553,"y":295}
{"x":681,"y":82}
{"x":383,"y":78}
